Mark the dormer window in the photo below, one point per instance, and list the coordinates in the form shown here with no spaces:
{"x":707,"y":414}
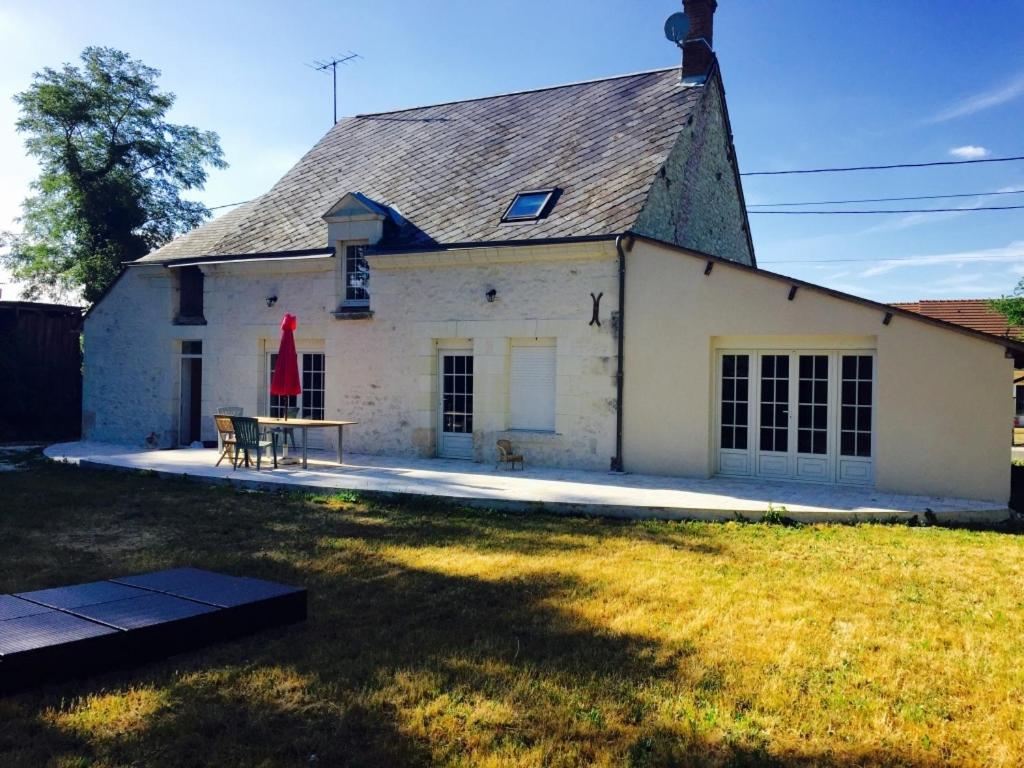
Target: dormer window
{"x":529,"y":206}
{"x":357,"y":276}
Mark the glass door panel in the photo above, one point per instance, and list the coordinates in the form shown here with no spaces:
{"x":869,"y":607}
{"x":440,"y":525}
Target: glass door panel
{"x":734,"y":415}
{"x":455,"y":412}
{"x":773,"y":432}
{"x":813,"y":461}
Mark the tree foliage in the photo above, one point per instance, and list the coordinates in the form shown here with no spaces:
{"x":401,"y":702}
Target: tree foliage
{"x":112,"y":170}
{"x":1011,"y":307}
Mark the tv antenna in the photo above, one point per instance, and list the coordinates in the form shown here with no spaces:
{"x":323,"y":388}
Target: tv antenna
{"x":332,"y":64}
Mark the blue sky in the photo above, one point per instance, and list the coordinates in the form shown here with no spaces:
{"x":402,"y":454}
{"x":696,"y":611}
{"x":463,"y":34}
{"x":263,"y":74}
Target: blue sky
{"x":810,"y":83}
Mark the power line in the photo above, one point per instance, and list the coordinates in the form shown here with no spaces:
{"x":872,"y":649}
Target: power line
{"x":968,"y":257}
{"x":894,"y":210}
{"x":885,"y":167}
{"x":226,"y":205}
{"x":888,"y":199}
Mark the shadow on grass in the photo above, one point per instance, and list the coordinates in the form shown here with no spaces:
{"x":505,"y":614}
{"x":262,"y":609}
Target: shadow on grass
{"x":396,"y":665}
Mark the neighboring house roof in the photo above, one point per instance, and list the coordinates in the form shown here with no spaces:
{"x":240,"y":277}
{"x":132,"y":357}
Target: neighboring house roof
{"x":451,"y":170}
{"x":970,"y":313}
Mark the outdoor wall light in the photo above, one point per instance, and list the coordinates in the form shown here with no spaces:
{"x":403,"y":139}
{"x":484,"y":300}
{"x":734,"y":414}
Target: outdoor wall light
{"x":271,"y":300}
{"x":491,"y":295}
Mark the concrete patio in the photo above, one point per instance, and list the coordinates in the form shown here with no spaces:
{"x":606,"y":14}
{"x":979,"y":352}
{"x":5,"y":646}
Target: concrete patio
{"x":554,"y":490}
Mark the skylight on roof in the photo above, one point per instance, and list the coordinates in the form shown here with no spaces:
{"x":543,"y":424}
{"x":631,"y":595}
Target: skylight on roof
{"x":529,"y":206}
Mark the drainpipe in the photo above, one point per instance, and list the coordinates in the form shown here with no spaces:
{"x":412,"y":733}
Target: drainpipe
{"x":628,"y":236}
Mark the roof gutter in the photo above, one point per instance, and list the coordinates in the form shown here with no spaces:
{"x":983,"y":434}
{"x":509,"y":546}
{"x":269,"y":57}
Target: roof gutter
{"x":309,"y":253}
{"x":616,"y":465}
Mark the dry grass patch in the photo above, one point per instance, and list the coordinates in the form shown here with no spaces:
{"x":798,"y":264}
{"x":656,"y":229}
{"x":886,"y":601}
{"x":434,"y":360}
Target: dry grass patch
{"x":441,"y":636}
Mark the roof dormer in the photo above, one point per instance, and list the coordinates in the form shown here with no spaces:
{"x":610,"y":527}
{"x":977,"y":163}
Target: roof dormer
{"x":355,"y":217}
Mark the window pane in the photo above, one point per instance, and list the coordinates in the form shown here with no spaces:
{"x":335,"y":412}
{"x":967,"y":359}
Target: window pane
{"x":864,"y":419}
{"x":740,"y":438}
{"x":528,"y":206}
{"x":727,"y":435}
{"x":849,"y":417}
{"x":741,"y":413}
{"x":742,"y":365}
{"x":357,"y":274}
{"x":849,"y":367}
{"x":803,"y":441}
{"x":864,"y":393}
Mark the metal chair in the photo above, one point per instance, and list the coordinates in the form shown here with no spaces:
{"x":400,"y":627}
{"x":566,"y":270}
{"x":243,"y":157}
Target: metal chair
{"x":225,"y":437}
{"x":507,"y":456}
{"x":247,"y":438}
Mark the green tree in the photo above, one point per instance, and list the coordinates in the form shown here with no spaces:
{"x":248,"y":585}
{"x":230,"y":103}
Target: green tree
{"x":1011,"y":307}
{"x":112,"y":170}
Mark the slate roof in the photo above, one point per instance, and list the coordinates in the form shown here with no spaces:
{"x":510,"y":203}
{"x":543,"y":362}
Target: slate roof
{"x":450,"y":170}
{"x":970,"y":313}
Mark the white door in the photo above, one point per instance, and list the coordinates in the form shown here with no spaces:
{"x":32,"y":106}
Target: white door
{"x":804,"y":415}
{"x":455,"y":404}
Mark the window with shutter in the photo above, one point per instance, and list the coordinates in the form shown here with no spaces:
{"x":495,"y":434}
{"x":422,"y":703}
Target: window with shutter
{"x":532,"y":388}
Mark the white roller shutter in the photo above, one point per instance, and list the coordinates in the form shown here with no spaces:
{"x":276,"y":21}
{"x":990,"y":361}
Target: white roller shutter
{"x":532,"y":388}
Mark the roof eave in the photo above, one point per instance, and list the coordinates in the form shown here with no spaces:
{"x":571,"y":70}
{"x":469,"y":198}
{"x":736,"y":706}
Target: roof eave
{"x":1015,"y":348}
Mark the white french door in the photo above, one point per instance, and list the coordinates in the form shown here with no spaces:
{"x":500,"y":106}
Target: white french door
{"x":455,"y":403}
{"x":796,"y":415}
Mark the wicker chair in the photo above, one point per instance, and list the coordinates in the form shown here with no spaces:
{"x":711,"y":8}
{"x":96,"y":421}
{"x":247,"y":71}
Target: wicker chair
{"x":507,"y":456}
{"x":225,"y":437}
{"x":247,"y":438}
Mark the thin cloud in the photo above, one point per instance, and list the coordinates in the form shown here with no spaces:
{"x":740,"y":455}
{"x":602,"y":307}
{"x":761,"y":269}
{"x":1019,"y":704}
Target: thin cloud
{"x":969,"y":152}
{"x":1009,"y":91}
{"x":1014,"y":252}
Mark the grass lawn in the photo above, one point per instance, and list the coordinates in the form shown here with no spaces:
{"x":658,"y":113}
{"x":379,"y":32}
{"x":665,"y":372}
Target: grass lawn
{"x":453,"y":637}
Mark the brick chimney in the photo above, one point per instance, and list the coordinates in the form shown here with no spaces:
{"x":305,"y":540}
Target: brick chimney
{"x":698,"y":55}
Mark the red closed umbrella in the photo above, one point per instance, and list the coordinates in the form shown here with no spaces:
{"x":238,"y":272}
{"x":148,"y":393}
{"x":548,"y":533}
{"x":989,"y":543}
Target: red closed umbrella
{"x":285,"y":380}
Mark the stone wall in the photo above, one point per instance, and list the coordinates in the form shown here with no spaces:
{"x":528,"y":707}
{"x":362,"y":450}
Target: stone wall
{"x":381,"y":371}
{"x":694,"y":201}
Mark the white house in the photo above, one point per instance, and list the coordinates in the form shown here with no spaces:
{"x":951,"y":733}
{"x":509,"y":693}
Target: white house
{"x":569,"y":267}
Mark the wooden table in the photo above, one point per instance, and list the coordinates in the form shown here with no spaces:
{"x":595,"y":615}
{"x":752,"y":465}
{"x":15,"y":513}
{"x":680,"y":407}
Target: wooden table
{"x":305,"y":425}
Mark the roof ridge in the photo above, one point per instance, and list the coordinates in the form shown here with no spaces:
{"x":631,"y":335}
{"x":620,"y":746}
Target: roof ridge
{"x":520,"y":92}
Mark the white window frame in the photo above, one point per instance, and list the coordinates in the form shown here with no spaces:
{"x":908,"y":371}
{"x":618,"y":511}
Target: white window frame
{"x":300,"y":400}
{"x":345,"y":300}
{"x":548,"y":425}
{"x":842,"y":470}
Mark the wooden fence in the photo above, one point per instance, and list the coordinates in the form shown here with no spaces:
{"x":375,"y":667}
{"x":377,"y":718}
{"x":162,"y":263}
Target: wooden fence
{"x":40,"y":371}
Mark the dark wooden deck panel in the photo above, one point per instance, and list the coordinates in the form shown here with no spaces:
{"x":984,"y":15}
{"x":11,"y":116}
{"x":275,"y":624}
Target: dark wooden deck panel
{"x":52,"y":634}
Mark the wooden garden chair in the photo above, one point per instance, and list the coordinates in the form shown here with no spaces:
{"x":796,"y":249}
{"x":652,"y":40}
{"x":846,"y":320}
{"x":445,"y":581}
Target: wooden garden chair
{"x":507,"y":456}
{"x":225,"y":437}
{"x":227,"y":410}
{"x":248,"y":438}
